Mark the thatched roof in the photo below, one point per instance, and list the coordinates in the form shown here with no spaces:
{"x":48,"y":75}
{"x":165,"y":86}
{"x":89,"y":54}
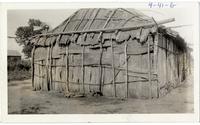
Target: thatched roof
{"x":100,"y":18}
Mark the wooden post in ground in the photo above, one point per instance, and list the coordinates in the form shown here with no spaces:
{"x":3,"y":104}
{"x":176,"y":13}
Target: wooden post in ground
{"x":126,"y":68}
{"x":47,"y":68}
{"x":43,"y":73}
{"x":156,"y":61}
{"x":100,"y":67}
{"x":67,"y":70}
{"x":50,"y":66}
{"x":113,"y":69}
{"x":149,"y":65}
{"x":166,"y":63}
{"x":101,"y":49}
{"x":32,"y":63}
{"x":83,"y":69}
{"x":33,"y":68}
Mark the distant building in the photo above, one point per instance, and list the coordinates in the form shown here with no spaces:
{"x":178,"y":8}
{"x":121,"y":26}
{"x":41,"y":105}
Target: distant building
{"x":14,"y":55}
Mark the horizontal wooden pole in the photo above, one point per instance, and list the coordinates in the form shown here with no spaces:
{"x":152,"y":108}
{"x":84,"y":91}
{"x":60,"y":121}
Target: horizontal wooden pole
{"x":145,"y":78}
{"x":38,"y":60}
{"x":128,"y":53}
{"x":97,"y":65}
{"x":131,"y":81}
{"x":108,"y":30}
{"x":105,"y":83}
{"x":167,"y":50}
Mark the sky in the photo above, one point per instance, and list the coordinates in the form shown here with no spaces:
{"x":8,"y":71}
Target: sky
{"x":16,"y":18}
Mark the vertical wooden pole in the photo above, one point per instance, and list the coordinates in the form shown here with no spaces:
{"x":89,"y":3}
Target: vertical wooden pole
{"x":33,"y":68}
{"x":42,"y":72}
{"x":39,"y":74}
{"x":101,"y":49}
{"x":166,"y":63}
{"x":126,"y":68}
{"x":67,"y":70}
{"x":149,"y":65}
{"x":113,"y":69}
{"x":102,"y":77}
{"x":50,"y":67}
{"x":156,"y":61}
{"x":83,"y":69}
{"x":47,"y":68}
{"x":100,"y":67}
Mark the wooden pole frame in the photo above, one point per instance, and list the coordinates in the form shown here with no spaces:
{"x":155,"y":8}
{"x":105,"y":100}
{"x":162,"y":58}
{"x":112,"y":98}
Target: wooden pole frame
{"x":156,"y":38}
{"x":167,"y":48}
{"x":67,"y":71}
{"x":109,"y":30}
{"x":126,"y":68}
{"x":94,"y":17}
{"x":33,"y":67}
{"x":47,"y":68}
{"x":83,"y":69}
{"x":67,"y":57}
{"x":100,"y":67}
{"x":69,"y":19}
{"x":113,"y":69}
{"x":32,"y":63}
{"x":50,"y":66}
{"x":149,"y":65}
{"x":42,"y":72}
{"x":77,"y":26}
{"x":101,"y":49}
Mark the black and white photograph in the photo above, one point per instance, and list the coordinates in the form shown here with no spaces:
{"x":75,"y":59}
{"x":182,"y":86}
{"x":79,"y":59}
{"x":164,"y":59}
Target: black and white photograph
{"x":101,"y":60}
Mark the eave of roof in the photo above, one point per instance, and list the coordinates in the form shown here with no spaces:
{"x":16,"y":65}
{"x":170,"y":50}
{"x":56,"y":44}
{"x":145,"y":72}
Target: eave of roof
{"x":85,"y":19}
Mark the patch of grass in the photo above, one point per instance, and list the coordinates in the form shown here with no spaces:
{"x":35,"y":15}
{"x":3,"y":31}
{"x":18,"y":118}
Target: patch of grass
{"x":19,"y":65}
{"x":19,"y":75}
{"x":19,"y":70}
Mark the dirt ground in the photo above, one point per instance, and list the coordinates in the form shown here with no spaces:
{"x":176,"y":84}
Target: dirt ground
{"x":22,"y":100}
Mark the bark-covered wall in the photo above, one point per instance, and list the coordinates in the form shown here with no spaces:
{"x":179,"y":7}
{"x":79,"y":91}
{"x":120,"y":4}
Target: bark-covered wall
{"x":107,"y":72}
{"x":171,"y":64}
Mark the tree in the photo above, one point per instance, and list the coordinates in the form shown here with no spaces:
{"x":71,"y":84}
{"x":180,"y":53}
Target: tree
{"x":22,"y":33}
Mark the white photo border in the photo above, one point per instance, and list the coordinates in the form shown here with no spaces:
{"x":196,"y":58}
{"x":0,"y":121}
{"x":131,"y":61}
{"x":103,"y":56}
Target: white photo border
{"x":187,"y":117}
